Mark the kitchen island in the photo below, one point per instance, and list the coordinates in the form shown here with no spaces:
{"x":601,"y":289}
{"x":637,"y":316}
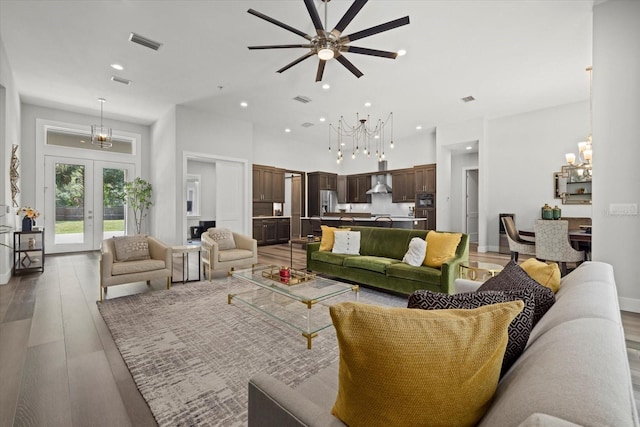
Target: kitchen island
{"x":332,"y":221}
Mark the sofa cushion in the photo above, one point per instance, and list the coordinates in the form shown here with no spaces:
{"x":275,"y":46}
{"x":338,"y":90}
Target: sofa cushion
{"x":546,"y":274}
{"x":223,"y":237}
{"x":346,"y":242}
{"x":409,"y":272}
{"x":327,"y":241}
{"x":234,"y":254}
{"x":329,"y":257}
{"x":441,"y":247}
{"x":519,"y":329}
{"x":396,"y":364}
{"x":139,"y":266}
{"x":131,"y":248}
{"x":373,"y":263}
{"x":513,"y":277}
{"x":416,"y":253}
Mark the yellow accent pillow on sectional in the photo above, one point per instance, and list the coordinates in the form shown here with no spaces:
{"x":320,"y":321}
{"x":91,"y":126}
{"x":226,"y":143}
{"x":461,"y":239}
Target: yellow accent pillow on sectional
{"x":441,"y":247}
{"x":547,"y":275}
{"x":328,"y":239}
{"x":401,"y":366}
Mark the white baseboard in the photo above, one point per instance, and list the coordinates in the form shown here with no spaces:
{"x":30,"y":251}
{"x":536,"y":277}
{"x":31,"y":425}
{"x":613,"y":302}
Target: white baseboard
{"x":629,"y":304}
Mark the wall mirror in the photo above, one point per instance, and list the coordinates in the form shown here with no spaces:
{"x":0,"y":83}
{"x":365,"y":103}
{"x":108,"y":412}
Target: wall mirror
{"x":193,"y":195}
{"x":573,"y":185}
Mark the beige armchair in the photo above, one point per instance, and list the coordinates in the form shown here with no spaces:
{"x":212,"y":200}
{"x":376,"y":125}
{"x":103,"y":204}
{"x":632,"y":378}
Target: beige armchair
{"x":223,"y":250}
{"x":114,"y":272}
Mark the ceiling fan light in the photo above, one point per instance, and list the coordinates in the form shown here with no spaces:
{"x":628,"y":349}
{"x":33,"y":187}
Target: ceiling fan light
{"x":325,"y":53}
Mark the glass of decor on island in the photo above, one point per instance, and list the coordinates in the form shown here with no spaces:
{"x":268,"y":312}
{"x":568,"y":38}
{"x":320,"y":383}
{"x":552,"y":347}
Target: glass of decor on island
{"x":29,"y":216}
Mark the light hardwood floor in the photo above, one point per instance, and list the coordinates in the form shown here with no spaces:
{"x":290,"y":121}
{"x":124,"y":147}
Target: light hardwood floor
{"x":59,"y":364}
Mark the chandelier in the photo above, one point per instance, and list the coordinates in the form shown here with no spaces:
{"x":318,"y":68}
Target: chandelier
{"x":365,"y":137}
{"x":581,"y":163}
{"x":100,"y":135}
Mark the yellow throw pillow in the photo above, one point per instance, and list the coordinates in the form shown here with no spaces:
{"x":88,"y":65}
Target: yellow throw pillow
{"x":400,"y":366}
{"x":547,"y":275}
{"x":441,"y":247}
{"x":326,"y":243}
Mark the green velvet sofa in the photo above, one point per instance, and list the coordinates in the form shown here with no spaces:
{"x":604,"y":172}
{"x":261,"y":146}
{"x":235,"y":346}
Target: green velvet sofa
{"x":380,"y":263}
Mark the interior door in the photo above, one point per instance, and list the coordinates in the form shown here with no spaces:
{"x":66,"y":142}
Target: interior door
{"x":83,"y":203}
{"x":230,"y":200}
{"x":472,"y":215}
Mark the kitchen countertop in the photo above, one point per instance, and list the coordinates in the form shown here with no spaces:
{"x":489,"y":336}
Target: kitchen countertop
{"x":270,"y":217}
{"x":371,"y":219}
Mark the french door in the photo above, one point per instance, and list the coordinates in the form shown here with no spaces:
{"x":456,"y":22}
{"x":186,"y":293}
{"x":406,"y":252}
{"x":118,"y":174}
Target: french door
{"x":83,"y":202}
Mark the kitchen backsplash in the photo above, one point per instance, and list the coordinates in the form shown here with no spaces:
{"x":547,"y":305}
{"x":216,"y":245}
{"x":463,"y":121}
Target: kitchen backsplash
{"x":381,"y":204}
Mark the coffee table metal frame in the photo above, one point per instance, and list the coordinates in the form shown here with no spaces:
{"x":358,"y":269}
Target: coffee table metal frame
{"x":479,"y":271}
{"x":292,"y":305}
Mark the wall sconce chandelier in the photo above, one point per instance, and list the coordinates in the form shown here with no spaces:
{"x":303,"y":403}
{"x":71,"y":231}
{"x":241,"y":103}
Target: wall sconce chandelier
{"x":100,"y":135}
{"x":371,"y":140}
{"x":582,"y":162}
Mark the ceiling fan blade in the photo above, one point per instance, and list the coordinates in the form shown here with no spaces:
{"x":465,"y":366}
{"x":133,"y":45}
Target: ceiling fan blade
{"x":315,"y":18}
{"x":349,"y":66}
{"x":348,"y":17}
{"x":280,"y":46}
{"x":320,"y":70}
{"x":297,"y":61}
{"x":375,"y":30}
{"x":372,"y":52}
{"x":279,"y":24}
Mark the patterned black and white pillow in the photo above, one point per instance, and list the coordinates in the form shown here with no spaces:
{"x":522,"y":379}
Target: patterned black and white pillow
{"x":520,"y":327}
{"x":513,"y":277}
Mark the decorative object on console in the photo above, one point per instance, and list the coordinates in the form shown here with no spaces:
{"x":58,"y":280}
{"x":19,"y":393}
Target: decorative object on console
{"x":363,"y":136}
{"x":328,"y":45}
{"x":29,"y":216}
{"x":546,"y":212}
{"x":100,"y":135}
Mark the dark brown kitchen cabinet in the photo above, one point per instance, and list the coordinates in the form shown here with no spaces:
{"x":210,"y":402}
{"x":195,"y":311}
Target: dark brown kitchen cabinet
{"x":425,"y":178}
{"x":268,"y":184}
{"x":342,"y":189}
{"x":357,"y":186}
{"x":284,"y":230}
{"x":270,"y":231}
{"x":429,"y":214}
{"x":316,"y":182}
{"x":404,"y":185}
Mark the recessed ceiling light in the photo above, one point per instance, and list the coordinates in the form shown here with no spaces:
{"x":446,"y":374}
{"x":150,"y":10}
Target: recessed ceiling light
{"x":326,"y":86}
{"x":402,"y":52}
{"x":367,"y":104}
{"x":418,"y":127}
{"x":468,"y":98}
{"x":469,"y":148}
{"x":244,"y":104}
{"x":117,"y":67}
{"x":322,"y":119}
{"x":287,"y":130}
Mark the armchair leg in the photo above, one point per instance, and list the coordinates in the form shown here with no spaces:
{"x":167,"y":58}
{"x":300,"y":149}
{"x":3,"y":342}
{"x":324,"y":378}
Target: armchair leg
{"x":148,"y":282}
{"x":168,"y":282}
{"x":101,"y":293}
{"x":514,"y":256}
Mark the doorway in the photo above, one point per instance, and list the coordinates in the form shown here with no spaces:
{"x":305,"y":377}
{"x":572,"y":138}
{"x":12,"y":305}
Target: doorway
{"x":83,"y":202}
{"x":471,"y":204}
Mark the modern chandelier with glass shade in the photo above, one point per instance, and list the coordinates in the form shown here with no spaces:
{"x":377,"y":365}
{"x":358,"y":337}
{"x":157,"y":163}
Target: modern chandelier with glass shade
{"x":581,"y":164}
{"x":100,"y":135}
{"x":366,"y":139}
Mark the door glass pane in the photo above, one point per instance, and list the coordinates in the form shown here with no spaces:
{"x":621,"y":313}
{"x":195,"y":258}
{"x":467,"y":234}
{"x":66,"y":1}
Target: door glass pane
{"x":113,"y":214}
{"x":70,"y":187}
{"x":67,"y":138}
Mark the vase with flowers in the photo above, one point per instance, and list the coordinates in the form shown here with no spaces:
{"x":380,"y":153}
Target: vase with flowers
{"x":29,"y":216}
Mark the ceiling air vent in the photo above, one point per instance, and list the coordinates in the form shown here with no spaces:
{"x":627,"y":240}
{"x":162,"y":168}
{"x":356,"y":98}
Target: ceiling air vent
{"x":143,"y":41}
{"x":307,"y":124}
{"x":302,"y":99}
{"x":468,"y":98}
{"x":120,"y":80}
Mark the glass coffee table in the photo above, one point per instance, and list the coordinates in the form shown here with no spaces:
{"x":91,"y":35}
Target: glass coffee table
{"x":479,"y":271}
{"x":300,"y":301}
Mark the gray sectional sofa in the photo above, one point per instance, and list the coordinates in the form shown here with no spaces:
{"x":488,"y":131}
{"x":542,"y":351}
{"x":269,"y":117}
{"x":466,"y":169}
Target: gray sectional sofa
{"x":574,"y":370}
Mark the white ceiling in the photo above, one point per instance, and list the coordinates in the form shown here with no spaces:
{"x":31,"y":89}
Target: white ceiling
{"x":511,"y":55}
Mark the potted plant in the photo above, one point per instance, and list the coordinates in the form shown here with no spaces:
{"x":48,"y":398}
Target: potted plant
{"x":137,"y":195}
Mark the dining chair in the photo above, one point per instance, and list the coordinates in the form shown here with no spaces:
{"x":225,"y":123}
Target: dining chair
{"x":517,"y":244}
{"x":384,"y":221}
{"x":552,"y":243}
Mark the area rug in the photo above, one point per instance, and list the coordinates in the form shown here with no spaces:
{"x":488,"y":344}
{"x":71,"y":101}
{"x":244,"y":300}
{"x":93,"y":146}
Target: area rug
{"x":191,"y":354}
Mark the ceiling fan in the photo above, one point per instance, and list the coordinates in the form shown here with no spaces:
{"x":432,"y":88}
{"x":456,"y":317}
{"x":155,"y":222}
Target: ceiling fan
{"x":331,"y":44}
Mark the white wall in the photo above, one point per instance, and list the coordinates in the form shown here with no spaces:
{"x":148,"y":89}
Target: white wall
{"x":9,"y":134}
{"x":164,"y":178}
{"x":616,"y":150}
{"x":460,"y":163}
{"x":522,"y":153}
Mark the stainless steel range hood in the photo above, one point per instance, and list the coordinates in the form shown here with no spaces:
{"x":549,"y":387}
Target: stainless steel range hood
{"x":381,"y":186}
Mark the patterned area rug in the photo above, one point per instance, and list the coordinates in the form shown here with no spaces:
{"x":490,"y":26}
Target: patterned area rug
{"x":191,"y":354}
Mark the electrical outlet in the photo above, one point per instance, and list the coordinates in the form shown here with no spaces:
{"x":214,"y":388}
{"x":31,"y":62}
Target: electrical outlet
{"x":623,"y":209}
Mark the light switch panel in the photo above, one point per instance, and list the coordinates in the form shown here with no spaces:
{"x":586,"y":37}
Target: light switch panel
{"x":625,"y":209}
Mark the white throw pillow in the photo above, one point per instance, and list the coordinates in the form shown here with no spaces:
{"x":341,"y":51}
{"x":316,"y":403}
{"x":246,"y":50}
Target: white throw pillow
{"x":416,"y":252}
{"x":346,"y":242}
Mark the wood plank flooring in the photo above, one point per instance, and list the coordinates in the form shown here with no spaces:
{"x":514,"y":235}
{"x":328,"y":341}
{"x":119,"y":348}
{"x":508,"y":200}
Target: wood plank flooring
{"x":59,"y":364}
